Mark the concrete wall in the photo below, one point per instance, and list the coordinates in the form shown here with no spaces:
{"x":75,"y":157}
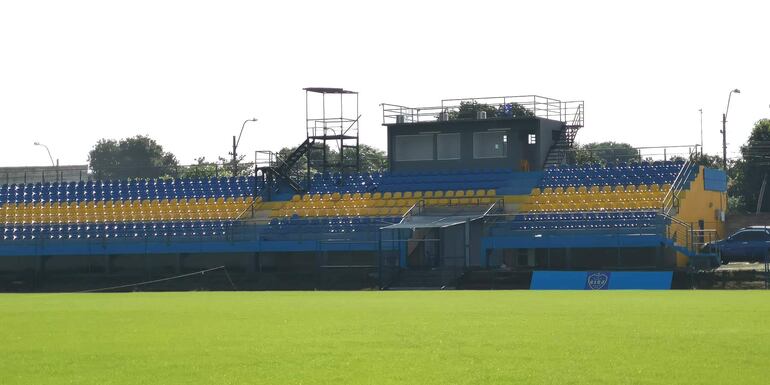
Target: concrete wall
{"x":518,"y":148}
{"x":739,"y":221}
{"x":699,"y":204}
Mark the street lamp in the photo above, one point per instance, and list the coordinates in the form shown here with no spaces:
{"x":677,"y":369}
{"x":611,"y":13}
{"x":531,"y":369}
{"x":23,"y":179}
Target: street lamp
{"x":49,"y":152}
{"x":701,"y":132}
{"x":235,"y":146}
{"x":724,"y":129}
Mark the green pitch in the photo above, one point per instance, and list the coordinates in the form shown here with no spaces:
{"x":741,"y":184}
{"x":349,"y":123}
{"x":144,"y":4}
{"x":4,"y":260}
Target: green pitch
{"x":459,"y":337}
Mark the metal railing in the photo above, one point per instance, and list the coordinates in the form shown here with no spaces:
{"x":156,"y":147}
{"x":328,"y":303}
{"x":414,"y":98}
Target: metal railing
{"x":671,"y":199}
{"x":570,"y":112}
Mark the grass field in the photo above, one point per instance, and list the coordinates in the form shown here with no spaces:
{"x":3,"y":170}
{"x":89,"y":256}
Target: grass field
{"x":457,"y":337}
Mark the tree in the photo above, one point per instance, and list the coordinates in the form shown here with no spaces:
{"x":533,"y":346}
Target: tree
{"x":372,"y":160}
{"x":748,"y":173}
{"x":469,"y":109}
{"x":201,"y":169}
{"x":135,"y":157}
{"x":710,"y":161}
{"x":605,"y":152}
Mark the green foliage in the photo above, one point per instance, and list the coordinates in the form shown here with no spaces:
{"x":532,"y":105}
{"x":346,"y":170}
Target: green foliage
{"x":468,"y":110}
{"x":386,"y":337}
{"x":710,"y":161}
{"x":372,"y":159}
{"x":135,"y":157}
{"x":201,"y":169}
{"x":240,"y":168}
{"x":747,"y":174}
{"x":603,"y":153}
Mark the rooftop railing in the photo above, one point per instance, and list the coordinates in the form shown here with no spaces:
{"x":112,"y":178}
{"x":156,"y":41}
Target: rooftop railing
{"x":497,"y":107}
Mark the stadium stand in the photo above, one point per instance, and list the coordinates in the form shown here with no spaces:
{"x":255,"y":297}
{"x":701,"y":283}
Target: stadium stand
{"x":494,"y":192}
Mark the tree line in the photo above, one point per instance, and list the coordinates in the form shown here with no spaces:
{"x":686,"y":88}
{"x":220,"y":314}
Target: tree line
{"x":142,"y":157}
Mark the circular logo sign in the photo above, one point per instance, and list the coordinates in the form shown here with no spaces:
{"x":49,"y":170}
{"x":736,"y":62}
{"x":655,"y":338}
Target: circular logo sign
{"x":597,"y":281}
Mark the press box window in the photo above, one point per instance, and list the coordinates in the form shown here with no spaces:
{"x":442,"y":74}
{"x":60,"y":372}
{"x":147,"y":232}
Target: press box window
{"x":490,"y":145}
{"x":448,"y":146}
{"x":532,"y":139}
{"x":414,"y":147}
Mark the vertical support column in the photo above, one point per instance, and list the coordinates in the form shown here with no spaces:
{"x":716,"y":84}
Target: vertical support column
{"x":252,"y":262}
{"x":402,"y":249}
{"x":108,"y":264}
{"x":467,"y":243}
{"x":179,"y":263}
{"x":40,"y":261}
{"x":531,"y":257}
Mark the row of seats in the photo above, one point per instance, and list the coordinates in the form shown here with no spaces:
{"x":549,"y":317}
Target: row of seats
{"x":603,"y":189}
{"x":133,"y":190}
{"x":420,"y":181}
{"x":350,"y":229}
{"x":591,"y":206}
{"x":100,"y":212}
{"x":605,"y":197}
{"x":196,"y":229}
{"x":336,"y":196}
{"x":614,"y":175}
{"x":579,"y":221}
{"x":378,"y":204}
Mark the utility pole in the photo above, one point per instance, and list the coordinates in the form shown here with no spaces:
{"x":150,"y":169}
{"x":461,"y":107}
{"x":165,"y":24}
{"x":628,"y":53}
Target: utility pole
{"x":724,"y":129}
{"x":701,"y":131}
{"x":235,"y":146}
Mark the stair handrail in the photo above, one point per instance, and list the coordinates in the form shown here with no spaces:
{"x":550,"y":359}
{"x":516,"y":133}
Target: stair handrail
{"x":419,"y":206}
{"x":672,"y":195}
{"x":688,"y":231}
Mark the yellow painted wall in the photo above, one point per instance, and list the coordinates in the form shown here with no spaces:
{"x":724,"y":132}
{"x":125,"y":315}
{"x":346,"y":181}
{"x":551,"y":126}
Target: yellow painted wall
{"x":697,"y":204}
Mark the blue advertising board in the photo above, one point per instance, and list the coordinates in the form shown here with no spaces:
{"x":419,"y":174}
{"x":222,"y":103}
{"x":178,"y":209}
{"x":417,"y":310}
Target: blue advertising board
{"x":601,"y":280}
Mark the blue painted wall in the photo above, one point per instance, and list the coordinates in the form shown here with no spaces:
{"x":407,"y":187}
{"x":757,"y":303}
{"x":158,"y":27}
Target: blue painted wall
{"x":714,"y":180}
{"x":601,"y":280}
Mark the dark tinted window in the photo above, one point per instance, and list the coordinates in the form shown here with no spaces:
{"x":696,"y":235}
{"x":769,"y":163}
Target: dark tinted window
{"x":756,"y":235}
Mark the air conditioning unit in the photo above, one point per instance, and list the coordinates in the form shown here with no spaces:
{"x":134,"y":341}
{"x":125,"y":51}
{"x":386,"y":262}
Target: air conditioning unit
{"x":443,"y":116}
{"x":400,"y":119}
{"x":480,"y":115}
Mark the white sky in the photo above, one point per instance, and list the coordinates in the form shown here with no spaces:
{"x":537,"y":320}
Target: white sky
{"x":189,"y":73}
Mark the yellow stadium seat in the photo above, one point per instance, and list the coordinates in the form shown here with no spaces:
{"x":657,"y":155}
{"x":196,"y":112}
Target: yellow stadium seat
{"x":570,"y":190}
{"x":346,"y":197}
{"x":438,"y":194}
{"x":630,"y":188}
{"x":387,"y":195}
{"x":558,"y":190}
{"x":377,"y":196}
{"x":449,"y":194}
{"x":459,"y":194}
{"x":366,"y":195}
{"x":407,"y":195}
{"x":417,"y":194}
{"x":296,"y":198}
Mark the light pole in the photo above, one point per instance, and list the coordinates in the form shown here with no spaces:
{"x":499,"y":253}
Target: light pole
{"x":235,"y":146}
{"x":724,"y":129}
{"x":701,"y":131}
{"x":49,"y":152}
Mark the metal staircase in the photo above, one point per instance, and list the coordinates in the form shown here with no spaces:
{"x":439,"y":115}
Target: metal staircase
{"x":557,"y":154}
{"x":277,"y":169}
